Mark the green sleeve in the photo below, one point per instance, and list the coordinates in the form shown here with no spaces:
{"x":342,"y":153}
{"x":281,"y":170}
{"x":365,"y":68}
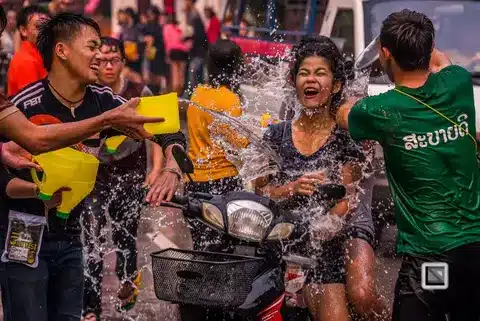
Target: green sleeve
{"x":369,"y":120}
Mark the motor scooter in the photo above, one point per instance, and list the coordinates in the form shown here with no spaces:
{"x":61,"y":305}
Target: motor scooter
{"x":243,"y":276}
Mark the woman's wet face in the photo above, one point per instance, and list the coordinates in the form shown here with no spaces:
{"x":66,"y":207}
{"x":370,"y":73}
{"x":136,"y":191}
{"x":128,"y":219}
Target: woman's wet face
{"x":314,"y":83}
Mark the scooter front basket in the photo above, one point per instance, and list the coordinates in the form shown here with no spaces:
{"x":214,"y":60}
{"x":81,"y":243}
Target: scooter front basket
{"x":204,"y":278}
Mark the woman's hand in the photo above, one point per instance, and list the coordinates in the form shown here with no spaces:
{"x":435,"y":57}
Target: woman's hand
{"x":152,"y":177}
{"x":56,"y":199}
{"x":307,"y":184}
{"x":163,"y":189}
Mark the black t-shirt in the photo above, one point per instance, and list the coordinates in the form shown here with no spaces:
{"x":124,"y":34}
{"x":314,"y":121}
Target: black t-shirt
{"x":41,"y":107}
{"x":338,"y":150}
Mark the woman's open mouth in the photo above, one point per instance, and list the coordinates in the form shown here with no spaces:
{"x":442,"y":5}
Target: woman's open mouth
{"x":311,"y":93}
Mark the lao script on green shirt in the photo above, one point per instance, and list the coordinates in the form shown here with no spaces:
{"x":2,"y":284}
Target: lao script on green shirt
{"x":431,"y":164}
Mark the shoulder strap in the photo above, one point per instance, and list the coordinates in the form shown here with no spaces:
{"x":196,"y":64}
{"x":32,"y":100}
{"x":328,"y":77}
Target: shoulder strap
{"x":439,"y":113}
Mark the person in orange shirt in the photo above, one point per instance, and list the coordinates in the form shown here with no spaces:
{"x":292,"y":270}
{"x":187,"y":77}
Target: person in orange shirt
{"x":26,"y":66}
{"x":212,"y":170}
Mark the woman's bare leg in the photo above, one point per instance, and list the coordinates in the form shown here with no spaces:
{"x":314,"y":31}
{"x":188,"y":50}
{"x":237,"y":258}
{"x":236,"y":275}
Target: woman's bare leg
{"x":327,"y":302}
{"x":361,"y":285}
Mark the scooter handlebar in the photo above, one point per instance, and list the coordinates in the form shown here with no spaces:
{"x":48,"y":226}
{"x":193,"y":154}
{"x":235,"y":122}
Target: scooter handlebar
{"x":323,"y":193}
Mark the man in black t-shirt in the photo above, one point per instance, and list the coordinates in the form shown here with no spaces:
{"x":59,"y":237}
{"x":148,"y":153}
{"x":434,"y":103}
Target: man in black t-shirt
{"x":69,"y":45}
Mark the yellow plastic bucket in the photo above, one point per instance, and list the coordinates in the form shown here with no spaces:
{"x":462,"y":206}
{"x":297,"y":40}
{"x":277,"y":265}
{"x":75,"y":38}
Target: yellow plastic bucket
{"x":66,"y":167}
{"x":165,"y":106}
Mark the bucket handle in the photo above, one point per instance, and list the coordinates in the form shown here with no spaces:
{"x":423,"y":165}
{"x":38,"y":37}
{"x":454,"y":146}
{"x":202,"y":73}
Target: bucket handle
{"x":36,"y":180}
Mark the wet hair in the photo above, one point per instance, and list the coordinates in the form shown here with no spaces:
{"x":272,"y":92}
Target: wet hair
{"x":62,"y":27}
{"x":3,"y":19}
{"x":409,"y":36}
{"x":26,"y":13}
{"x":115,"y":45}
{"x":324,"y":47}
{"x":225,"y":61}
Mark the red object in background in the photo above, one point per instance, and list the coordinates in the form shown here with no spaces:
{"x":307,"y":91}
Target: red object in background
{"x":169,"y":6}
{"x":261,"y":47}
{"x":213,"y":31}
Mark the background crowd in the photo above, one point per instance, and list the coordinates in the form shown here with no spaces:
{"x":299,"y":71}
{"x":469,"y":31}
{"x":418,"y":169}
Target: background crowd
{"x":161,"y":53}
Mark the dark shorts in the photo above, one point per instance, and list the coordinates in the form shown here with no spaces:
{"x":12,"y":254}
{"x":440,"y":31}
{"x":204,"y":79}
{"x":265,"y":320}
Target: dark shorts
{"x":460,"y":301}
{"x":159,"y":67}
{"x":178,"y":55}
{"x":331,"y":259}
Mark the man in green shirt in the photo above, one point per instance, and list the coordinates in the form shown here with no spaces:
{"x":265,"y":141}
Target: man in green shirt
{"x":426,"y":126}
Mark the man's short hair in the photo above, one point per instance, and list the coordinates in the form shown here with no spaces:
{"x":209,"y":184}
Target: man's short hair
{"x":409,"y":36}
{"x":26,"y":13}
{"x":62,"y":27}
{"x":115,"y":45}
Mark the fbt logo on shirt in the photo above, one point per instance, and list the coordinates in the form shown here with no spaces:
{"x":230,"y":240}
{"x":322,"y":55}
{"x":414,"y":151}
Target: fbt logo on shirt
{"x":32,"y":102}
{"x":413,"y":141}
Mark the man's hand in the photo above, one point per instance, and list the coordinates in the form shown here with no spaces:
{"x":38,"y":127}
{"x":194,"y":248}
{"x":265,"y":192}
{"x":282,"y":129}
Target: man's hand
{"x":56,"y":198}
{"x":16,"y":157}
{"x":438,"y":61}
{"x":125,"y":119}
{"x":163,"y":188}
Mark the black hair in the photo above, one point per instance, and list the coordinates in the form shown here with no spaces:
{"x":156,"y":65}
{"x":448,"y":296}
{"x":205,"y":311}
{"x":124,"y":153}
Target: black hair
{"x":26,"y":13}
{"x":156,"y":12}
{"x":324,"y":47}
{"x":62,"y":27}
{"x":3,"y":19}
{"x":225,"y":62}
{"x":131,"y":12}
{"x":409,"y":36}
{"x":210,"y":10}
{"x":114,"y":44}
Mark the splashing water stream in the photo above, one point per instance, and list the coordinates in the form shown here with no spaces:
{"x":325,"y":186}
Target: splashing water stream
{"x":163,"y":227}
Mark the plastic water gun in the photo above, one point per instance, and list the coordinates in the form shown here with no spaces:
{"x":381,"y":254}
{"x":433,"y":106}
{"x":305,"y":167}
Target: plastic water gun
{"x":267,"y":120}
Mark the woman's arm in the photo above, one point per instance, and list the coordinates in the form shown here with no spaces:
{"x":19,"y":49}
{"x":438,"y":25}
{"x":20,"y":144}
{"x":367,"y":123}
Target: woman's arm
{"x":305,"y":185}
{"x":157,"y":164}
{"x":351,"y":173}
{"x":263,"y":187}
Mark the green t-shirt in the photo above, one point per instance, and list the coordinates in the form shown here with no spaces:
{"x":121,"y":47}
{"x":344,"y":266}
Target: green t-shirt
{"x":431,"y":165}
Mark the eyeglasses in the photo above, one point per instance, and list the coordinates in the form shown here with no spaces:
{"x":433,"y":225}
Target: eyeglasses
{"x":114,"y":61}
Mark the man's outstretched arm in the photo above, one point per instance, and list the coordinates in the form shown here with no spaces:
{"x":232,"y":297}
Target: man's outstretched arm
{"x":344,"y":111}
{"x":438,"y":61}
{"x":39,"y":139}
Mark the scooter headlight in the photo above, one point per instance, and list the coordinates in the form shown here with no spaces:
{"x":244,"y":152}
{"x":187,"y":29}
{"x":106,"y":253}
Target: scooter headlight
{"x":281,"y":231}
{"x":248,"y":220}
{"x":212,"y":215}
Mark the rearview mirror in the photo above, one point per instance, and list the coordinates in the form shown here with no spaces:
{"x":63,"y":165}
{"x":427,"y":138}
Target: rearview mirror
{"x":185,"y":164}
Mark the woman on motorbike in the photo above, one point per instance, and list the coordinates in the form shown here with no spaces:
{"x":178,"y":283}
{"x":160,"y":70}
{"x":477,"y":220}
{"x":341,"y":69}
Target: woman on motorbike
{"x":313,"y":151}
